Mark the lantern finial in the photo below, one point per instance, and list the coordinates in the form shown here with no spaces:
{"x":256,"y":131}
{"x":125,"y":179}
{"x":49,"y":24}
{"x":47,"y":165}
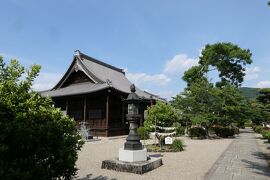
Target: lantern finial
{"x":132,"y":88}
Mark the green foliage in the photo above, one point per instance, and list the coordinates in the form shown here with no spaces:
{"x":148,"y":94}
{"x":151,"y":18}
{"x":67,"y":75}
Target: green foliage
{"x":229,"y":59}
{"x":265,"y":133}
{"x":258,"y":129}
{"x":225,"y":132}
{"x":177,"y":145}
{"x":197,"y":132}
{"x":161,"y":114}
{"x":143,"y":133}
{"x":258,"y":114}
{"x":194,"y":74}
{"x":261,"y":107}
{"x":264,"y":96}
{"x":36,"y":140}
{"x":180,"y":131}
{"x":197,"y":103}
{"x":206,"y":105}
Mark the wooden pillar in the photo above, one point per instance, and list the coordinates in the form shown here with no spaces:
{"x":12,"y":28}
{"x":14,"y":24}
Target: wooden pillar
{"x":107,"y":115}
{"x":84,"y":109}
{"x":66,"y":107}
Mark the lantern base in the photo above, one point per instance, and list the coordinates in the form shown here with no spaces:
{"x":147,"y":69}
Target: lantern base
{"x":132,"y":156}
{"x":133,"y":145}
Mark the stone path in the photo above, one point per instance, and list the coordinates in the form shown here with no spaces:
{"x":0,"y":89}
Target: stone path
{"x":242,"y":160}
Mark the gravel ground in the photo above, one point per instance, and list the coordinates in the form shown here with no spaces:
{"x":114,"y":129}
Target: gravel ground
{"x":191,"y":164}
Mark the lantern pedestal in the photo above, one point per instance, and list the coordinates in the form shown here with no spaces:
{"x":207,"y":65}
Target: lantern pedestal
{"x":132,"y":156}
{"x":133,"y":139}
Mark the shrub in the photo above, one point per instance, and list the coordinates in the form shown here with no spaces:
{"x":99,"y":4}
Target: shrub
{"x":236,"y":130}
{"x":267,"y":135}
{"x":161,"y":114}
{"x":197,"y":132}
{"x":225,"y":132}
{"x":36,"y":140}
{"x":177,"y":145}
{"x":258,"y":129}
{"x":180,"y":131}
{"x":265,"y":132}
{"x":143,"y":133}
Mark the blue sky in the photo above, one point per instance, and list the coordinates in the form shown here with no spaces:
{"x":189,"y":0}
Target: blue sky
{"x":155,"y":41}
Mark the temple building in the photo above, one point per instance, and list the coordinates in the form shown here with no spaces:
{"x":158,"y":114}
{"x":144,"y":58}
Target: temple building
{"x":92,"y":91}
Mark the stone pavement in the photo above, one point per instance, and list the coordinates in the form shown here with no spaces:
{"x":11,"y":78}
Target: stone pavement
{"x":242,"y":160}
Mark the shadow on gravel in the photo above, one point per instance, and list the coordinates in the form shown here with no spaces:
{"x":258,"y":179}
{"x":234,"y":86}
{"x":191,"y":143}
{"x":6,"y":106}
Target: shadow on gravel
{"x":88,"y":177}
{"x":156,"y":155}
{"x":257,"y":167}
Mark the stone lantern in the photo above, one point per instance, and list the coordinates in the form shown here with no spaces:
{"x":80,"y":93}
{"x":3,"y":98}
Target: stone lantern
{"x":133,"y":150}
{"x":133,"y":117}
{"x":133,"y":158}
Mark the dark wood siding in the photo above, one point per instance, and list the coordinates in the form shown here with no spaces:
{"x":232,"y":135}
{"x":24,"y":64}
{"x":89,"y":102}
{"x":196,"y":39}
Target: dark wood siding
{"x":76,"y":77}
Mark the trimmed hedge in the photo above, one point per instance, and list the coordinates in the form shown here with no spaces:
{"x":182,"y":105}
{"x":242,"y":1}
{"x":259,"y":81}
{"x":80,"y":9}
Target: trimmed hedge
{"x":197,"y":132}
{"x":225,"y":132}
{"x":258,"y":129}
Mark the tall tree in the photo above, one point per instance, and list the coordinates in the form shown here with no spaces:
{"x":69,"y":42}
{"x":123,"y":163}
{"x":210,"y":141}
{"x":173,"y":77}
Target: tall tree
{"x":263,"y":101}
{"x":228,"y":59}
{"x":195,"y":74}
{"x":206,"y":104}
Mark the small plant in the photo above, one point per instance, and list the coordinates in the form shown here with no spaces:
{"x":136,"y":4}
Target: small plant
{"x":267,"y":135}
{"x":197,"y":132}
{"x":180,"y":131}
{"x":177,"y":145}
{"x":143,"y":133}
{"x":258,"y":129}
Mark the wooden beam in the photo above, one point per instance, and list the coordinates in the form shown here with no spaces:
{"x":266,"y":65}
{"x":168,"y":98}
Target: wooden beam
{"x":107,"y":115}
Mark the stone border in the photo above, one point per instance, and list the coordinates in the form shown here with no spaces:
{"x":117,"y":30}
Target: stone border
{"x":140,"y":167}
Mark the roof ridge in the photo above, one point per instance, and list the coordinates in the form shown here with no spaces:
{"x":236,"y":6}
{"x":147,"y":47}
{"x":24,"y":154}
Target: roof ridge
{"x":100,"y":62}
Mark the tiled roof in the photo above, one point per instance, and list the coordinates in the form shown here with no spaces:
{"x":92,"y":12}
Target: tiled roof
{"x":104,"y":76}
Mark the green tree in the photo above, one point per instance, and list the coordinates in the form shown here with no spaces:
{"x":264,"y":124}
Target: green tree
{"x":195,"y":74}
{"x":198,"y":103}
{"x":263,"y":104}
{"x":257,"y":110}
{"x":234,"y":107}
{"x":161,"y":114}
{"x":205,"y":104}
{"x":36,"y":140}
{"x":264,"y":96}
{"x":228,"y":59}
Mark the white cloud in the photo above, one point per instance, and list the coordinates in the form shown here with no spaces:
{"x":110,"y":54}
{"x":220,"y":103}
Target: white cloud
{"x":166,"y":94}
{"x":252,"y":73}
{"x":263,"y":84}
{"x":46,"y":81}
{"x":179,"y":63}
{"x":155,"y":79}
